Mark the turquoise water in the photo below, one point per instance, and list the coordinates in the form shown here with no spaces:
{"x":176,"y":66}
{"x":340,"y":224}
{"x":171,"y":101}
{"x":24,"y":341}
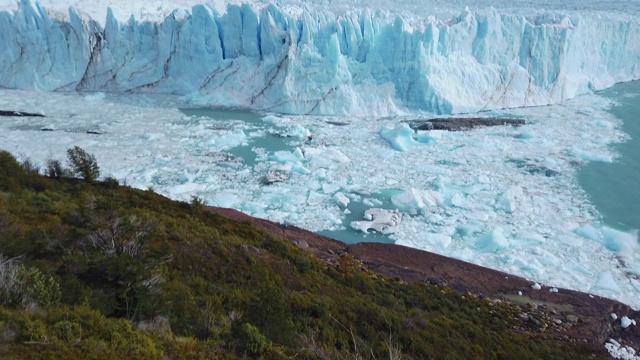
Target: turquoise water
{"x":614,"y":188}
{"x":270,"y":142}
{"x":357,"y":209}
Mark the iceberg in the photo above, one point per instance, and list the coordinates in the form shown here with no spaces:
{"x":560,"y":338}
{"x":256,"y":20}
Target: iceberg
{"x":305,"y":59}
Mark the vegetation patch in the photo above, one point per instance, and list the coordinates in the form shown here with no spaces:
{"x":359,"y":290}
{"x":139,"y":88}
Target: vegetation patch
{"x":93,"y":270}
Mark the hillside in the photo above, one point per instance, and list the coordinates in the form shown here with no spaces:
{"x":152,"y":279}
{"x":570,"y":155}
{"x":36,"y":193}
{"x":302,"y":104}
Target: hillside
{"x":96,"y":270}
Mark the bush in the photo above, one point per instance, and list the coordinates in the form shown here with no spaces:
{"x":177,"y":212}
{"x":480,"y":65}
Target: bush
{"x":83,"y":164}
{"x":67,"y":331}
{"x":11,"y":173}
{"x":35,"y":287}
{"x":253,"y":341}
{"x":54,"y":169}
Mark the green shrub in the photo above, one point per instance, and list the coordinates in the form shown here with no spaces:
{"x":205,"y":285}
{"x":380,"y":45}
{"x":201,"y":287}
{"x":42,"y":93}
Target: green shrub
{"x":67,"y":331}
{"x":35,"y":287}
{"x":83,"y":164}
{"x":252,"y":340}
{"x":11,"y":173}
{"x":34,"y":330}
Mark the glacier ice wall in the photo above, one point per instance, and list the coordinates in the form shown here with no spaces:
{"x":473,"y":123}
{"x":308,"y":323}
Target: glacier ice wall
{"x":305,"y":61}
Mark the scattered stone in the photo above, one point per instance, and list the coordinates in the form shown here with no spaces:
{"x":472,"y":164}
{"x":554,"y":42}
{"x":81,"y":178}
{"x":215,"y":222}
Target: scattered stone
{"x":535,"y":321}
{"x":557,"y":321}
{"x":435,"y":280}
{"x":301,"y":244}
{"x":18,"y":113}
{"x":460,"y":124}
{"x":625,"y":322}
{"x":520,"y":293}
{"x":614,"y":317}
{"x":553,"y":290}
{"x":572,"y":319}
{"x":536,"y":286}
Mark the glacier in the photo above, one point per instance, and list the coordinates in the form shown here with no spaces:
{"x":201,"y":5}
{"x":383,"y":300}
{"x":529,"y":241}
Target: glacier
{"x":299,"y":58}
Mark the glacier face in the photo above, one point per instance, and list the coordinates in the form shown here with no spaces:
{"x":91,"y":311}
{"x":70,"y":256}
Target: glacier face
{"x":302,"y":60}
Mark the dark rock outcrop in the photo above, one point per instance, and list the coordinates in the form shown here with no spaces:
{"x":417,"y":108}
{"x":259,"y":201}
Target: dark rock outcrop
{"x":18,"y":113}
{"x":460,"y":124}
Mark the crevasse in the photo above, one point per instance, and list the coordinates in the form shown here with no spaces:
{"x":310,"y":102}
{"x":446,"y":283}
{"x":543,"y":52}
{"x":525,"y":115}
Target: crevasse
{"x":361,"y":62}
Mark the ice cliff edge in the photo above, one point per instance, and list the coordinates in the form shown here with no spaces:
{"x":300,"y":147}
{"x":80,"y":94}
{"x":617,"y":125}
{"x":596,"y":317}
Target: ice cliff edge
{"x":302,"y":61}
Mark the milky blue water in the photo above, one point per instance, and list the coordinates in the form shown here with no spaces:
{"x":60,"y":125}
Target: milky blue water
{"x":614,"y":188}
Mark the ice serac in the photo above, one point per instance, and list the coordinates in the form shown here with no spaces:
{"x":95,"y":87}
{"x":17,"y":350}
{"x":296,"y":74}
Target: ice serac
{"x":310,"y":60}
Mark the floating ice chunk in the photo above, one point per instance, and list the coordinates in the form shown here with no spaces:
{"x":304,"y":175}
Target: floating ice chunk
{"x":607,"y":282}
{"x":604,"y":124}
{"x":374,"y":201}
{"x":508,"y":200}
{"x":591,"y":156}
{"x":277,"y":173}
{"x":299,"y":132}
{"x":461,"y":201}
{"x":621,"y":242}
{"x":400,"y":137}
{"x":253,"y":208}
{"x":228,"y":139}
{"x":381,"y":220}
{"x":284,"y":156}
{"x":536,"y":286}
{"x":95,"y":96}
{"x":226,"y":200}
{"x":416,"y":200}
{"x":437,"y":240}
{"x":325,"y":156}
{"x":428,"y":136}
{"x":152,"y":136}
{"x":342,"y":199}
{"x":625,"y":322}
{"x":492,"y":242}
{"x":275,"y":120}
{"x":315,"y":198}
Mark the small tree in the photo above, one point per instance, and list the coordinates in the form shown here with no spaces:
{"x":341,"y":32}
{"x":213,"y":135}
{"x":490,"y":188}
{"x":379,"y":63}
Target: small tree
{"x":83,"y":164}
{"x":54,"y":169}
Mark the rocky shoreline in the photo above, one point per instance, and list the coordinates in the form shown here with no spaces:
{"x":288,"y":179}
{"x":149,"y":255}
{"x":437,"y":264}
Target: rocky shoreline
{"x":572,"y":315}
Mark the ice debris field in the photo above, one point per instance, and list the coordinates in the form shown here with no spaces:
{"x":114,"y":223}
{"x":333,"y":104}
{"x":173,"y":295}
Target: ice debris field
{"x":502,"y":197}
